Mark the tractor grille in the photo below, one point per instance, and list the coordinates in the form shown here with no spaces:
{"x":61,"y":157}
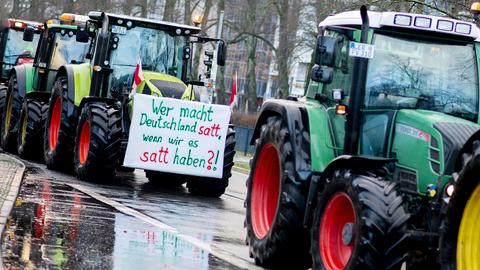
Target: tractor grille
{"x":454,"y":136}
{"x":407,"y":180}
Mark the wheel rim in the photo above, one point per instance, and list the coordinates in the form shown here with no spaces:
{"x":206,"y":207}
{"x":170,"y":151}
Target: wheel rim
{"x":55,"y":122}
{"x":84,"y":142}
{"x":265,"y":190}
{"x":24,"y":129}
{"x":337,"y":215}
{"x":468,"y":243}
{"x":8,"y":114}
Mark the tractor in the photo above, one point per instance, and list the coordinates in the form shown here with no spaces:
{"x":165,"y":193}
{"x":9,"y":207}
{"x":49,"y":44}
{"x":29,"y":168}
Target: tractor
{"x":373,"y":167}
{"x":18,"y":40}
{"x":91,"y":103}
{"x":30,"y":84}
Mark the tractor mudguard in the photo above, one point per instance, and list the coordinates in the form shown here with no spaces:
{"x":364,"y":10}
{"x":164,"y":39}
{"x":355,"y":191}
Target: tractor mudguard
{"x":363,"y":163}
{"x":467,"y":147}
{"x":24,"y":75}
{"x":79,"y":79}
{"x":37,"y":95}
{"x":295,"y":115}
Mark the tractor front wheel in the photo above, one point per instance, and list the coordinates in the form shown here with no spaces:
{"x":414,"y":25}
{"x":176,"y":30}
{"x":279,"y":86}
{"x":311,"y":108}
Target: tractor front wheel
{"x":32,"y":128}
{"x":213,"y":187}
{"x":59,"y":128}
{"x":275,"y":202}
{"x":459,"y":237}
{"x":359,"y":223}
{"x":10,"y":116}
{"x":97,"y":144}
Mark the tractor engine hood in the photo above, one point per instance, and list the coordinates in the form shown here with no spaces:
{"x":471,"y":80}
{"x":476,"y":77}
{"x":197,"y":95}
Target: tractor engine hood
{"x":444,"y":132}
{"x":164,"y":85}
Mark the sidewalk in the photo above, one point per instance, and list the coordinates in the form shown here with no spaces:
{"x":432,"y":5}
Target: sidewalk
{"x":11,"y":174}
{"x":242,"y":162}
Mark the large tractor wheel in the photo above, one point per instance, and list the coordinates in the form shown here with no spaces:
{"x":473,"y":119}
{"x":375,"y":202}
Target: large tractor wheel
{"x":165,"y":179}
{"x":97,"y":144}
{"x":213,"y":187}
{"x":10,"y":116}
{"x":359,"y":223}
{"x":275,"y":202}
{"x":32,"y":128}
{"x":3,"y":93}
{"x":59,"y":129}
{"x":460,"y":238}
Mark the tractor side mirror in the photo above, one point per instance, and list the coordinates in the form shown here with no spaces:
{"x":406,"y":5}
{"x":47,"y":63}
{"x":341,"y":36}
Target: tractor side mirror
{"x":326,"y":51}
{"x":28,"y":34}
{"x":222,"y":53}
{"x":322,"y":74}
{"x":82,"y":34}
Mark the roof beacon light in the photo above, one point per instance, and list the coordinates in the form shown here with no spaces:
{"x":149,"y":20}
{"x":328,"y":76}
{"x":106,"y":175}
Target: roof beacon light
{"x":475,"y":8}
{"x":67,"y":17}
{"x":197,"y":20}
{"x":19,"y":25}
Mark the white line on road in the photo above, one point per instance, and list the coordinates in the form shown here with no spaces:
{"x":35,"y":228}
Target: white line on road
{"x":223,"y":255}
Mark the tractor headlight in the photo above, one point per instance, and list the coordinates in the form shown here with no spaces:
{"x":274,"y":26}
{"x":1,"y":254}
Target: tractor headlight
{"x":450,"y":189}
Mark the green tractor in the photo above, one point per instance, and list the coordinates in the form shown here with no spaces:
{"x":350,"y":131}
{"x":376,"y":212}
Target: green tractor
{"x":359,"y":173}
{"x":18,"y":40}
{"x":90,"y":106}
{"x":30,"y":84}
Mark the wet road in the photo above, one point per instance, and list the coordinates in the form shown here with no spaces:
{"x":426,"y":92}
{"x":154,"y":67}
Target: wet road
{"x":60,"y":222}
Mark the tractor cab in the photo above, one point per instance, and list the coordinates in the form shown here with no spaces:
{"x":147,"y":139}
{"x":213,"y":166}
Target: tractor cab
{"x":18,"y":41}
{"x":159,"y":51}
{"x":58,"y":46}
{"x":420,"y":91}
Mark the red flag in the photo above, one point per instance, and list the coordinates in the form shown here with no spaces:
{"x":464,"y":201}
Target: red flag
{"x":233,"y":93}
{"x":137,"y":77}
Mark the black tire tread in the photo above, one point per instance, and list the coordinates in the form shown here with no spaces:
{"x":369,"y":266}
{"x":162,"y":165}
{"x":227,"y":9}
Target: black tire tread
{"x":36,"y":112}
{"x":9,"y":138}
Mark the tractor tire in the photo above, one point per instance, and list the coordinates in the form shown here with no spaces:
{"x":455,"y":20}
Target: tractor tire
{"x":213,"y":187}
{"x":32,"y":129}
{"x":275,"y":203}
{"x":125,"y":169}
{"x":166,"y":179}
{"x":10,"y":116}
{"x":97,"y":143}
{"x":359,"y":223}
{"x":3,"y":93}
{"x":59,"y":129}
{"x":459,"y":237}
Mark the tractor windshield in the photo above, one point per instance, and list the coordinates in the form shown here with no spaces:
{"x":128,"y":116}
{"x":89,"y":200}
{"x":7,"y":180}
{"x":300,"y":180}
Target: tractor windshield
{"x":67,"y":50}
{"x":16,"y":47}
{"x":423,"y":75}
{"x":156,"y":50}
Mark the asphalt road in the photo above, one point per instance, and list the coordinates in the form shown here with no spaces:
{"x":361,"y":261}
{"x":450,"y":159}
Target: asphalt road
{"x":60,"y":222}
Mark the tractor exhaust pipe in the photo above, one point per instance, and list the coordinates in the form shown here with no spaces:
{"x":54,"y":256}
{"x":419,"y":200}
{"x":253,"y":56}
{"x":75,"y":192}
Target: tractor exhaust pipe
{"x":357,"y":97}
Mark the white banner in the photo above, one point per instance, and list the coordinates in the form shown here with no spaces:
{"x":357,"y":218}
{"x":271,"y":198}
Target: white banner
{"x":172,"y":135}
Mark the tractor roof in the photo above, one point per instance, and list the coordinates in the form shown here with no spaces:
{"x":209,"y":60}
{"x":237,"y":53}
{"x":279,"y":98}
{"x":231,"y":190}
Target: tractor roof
{"x":406,"y":21}
{"x":149,"y":22}
{"x":67,"y":21}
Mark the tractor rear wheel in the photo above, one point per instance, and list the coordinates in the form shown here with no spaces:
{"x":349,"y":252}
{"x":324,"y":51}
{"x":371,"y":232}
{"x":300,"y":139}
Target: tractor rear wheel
{"x":10,"y":116}
{"x":165,"y":179}
{"x":213,"y":187}
{"x":275,"y":202}
{"x":97,"y":144}
{"x":459,"y":237}
{"x":59,"y":128}
{"x":359,"y":223}
{"x":32,"y":128}
{"x":3,"y":93}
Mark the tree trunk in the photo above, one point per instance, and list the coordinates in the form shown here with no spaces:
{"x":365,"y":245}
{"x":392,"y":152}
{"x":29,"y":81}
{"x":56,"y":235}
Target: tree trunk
{"x":187,"y":17}
{"x":169,"y":10}
{"x":251,"y":80}
{"x":282,"y":52}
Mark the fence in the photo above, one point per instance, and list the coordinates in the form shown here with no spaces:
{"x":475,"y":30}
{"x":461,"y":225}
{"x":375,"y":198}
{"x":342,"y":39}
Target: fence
{"x":243,"y":135}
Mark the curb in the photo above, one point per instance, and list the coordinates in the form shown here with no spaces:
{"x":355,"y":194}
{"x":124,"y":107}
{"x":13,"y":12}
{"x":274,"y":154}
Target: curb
{"x":11,"y":197}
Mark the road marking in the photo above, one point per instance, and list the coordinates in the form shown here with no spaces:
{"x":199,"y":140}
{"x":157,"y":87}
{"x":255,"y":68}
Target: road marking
{"x":223,"y":255}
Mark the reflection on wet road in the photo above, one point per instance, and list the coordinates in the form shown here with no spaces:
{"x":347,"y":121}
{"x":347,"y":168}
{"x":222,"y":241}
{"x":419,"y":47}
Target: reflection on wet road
{"x":55,"y":226}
